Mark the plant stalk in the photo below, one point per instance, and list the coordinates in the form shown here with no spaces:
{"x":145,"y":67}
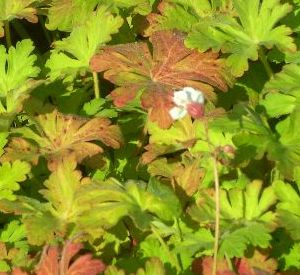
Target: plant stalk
{"x":217,"y":200}
{"x":96,"y":85}
{"x":45,"y":31}
{"x":217,"y":214}
{"x":7,"y":34}
{"x":265,"y":62}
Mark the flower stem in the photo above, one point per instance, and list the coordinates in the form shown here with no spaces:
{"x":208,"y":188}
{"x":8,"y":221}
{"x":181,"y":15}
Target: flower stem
{"x":96,"y":85}
{"x":217,"y":214}
{"x":217,"y":200}
{"x":7,"y":34}
{"x":265,"y":62}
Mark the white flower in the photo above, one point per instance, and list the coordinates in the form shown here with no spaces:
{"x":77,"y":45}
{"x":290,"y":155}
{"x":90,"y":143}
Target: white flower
{"x":187,"y":101}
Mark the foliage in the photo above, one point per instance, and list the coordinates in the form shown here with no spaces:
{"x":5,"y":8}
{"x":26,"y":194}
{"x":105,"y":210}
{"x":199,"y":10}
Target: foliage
{"x":17,"y":72}
{"x":245,"y":217}
{"x":133,"y":68}
{"x":97,"y":172}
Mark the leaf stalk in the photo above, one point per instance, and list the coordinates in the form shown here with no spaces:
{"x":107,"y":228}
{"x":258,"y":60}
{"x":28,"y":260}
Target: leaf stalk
{"x":96,"y":85}
{"x":217,"y":200}
{"x":7,"y":34}
{"x":264,"y":61}
{"x":217,"y":213}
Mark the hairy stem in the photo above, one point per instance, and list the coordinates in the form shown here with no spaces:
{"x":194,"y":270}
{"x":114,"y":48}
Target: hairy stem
{"x":43,"y":255}
{"x":229,"y":262}
{"x":96,"y":85}
{"x":217,"y":199}
{"x":217,"y":214}
{"x":7,"y":34}
{"x":265,"y":62}
{"x":173,"y":260}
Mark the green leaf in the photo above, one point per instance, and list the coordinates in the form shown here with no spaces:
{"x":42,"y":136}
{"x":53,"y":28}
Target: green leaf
{"x":292,"y":259}
{"x":65,"y":15}
{"x":234,"y":244}
{"x":40,"y":225}
{"x":113,"y":270}
{"x":283,"y":91}
{"x":180,"y":135}
{"x":150,"y":247}
{"x":11,"y":9}
{"x":61,"y":187}
{"x":288,"y":208}
{"x":245,"y":217}
{"x":3,"y":141}
{"x":191,"y":12}
{"x":142,"y":7}
{"x":278,"y":104}
{"x":242,"y":37}
{"x":287,"y":151}
{"x":13,"y":236}
{"x":192,"y":242}
{"x":13,"y":232}
{"x":4,"y":267}
{"x":72,"y":55}
{"x":10,"y":176}
{"x":111,"y":201}
{"x":99,"y":107}
{"x":42,"y":228}
{"x":17,"y":71}
{"x":254,"y":137}
{"x":154,"y":266}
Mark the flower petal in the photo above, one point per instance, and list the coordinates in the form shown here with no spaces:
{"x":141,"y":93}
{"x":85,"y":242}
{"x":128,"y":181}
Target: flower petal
{"x":181,"y":98}
{"x":194,"y":95}
{"x":177,"y":112}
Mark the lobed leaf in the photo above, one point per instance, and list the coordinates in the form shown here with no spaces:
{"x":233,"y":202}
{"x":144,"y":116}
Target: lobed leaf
{"x":11,"y":9}
{"x":55,"y":136}
{"x":134,"y":69}
{"x":10,"y":177}
{"x":283,"y":92}
{"x":288,"y":207}
{"x":17,"y":71}
{"x":243,"y":37}
{"x":64,"y":15}
{"x":245,"y":217}
{"x":72,"y":54}
{"x":52,"y":263}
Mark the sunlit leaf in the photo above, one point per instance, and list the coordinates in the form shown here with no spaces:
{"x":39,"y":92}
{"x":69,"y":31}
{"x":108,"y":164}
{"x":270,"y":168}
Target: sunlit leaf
{"x":17,"y":72}
{"x":55,"y":136}
{"x":245,"y":217}
{"x":133,"y":68}
{"x":54,"y":263}
{"x":11,"y":9}
{"x":10,"y":177}
{"x":243,"y":37}
{"x":72,"y":54}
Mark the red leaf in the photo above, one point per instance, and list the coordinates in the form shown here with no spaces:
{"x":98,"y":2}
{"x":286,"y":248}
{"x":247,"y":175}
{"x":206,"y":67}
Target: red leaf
{"x":86,"y":265}
{"x":83,"y":265}
{"x":18,"y":271}
{"x":49,"y":264}
{"x":57,"y":136}
{"x":257,"y":264}
{"x":204,"y":266}
{"x":171,"y":66}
